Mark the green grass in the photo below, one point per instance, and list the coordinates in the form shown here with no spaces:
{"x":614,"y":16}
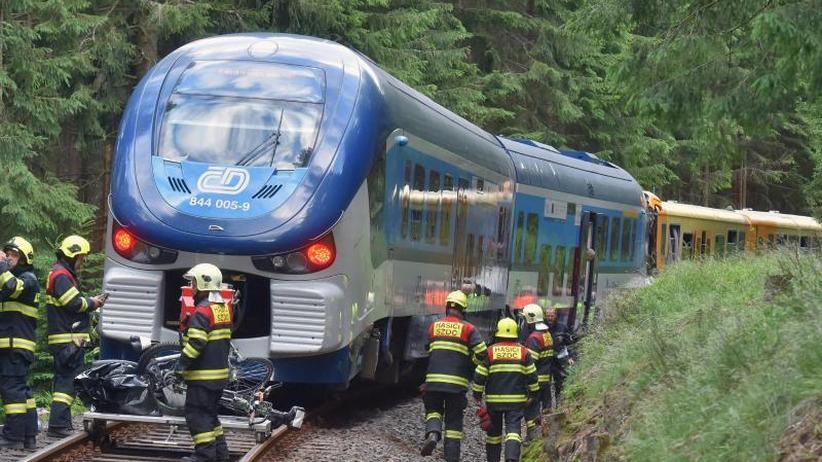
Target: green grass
{"x":704,"y":364}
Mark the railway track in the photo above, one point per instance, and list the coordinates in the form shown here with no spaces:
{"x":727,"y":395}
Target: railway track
{"x":144,"y":442}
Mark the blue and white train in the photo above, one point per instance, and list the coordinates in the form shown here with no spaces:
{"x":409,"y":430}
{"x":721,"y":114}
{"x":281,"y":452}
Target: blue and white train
{"x":344,"y":205}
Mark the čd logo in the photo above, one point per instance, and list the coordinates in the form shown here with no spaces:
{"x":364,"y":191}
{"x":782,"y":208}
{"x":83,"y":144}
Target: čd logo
{"x":223,"y":180}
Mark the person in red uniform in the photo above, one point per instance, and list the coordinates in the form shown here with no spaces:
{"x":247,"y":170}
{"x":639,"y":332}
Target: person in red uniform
{"x":203,"y":363}
{"x":65,"y":306}
{"x":453,"y":344}
{"x":541,"y":346}
{"x":508,"y":380}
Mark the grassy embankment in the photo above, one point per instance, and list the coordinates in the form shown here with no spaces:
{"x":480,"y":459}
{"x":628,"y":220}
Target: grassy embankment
{"x":718,"y":360}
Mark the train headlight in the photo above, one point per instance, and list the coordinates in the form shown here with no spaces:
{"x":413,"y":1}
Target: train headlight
{"x":316,"y":256}
{"x":127,"y":245}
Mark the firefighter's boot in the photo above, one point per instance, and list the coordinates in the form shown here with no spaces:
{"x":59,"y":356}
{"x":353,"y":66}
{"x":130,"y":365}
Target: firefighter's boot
{"x":430,"y":443}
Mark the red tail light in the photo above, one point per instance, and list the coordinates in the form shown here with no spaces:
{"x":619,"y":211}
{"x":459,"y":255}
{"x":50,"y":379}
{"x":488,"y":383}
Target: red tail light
{"x":123,"y":241}
{"x":319,"y":254}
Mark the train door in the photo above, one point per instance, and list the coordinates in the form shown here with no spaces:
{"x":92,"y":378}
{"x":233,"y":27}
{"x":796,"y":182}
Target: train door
{"x":674,"y":245}
{"x":460,"y":263}
{"x":585,"y":269}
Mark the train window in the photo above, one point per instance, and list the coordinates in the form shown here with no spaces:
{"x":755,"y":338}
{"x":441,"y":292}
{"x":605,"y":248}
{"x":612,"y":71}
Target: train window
{"x":407,"y":201}
{"x":559,"y":270}
{"x":445,"y":225}
{"x":602,"y":235}
{"x":518,"y":237}
{"x":688,"y":245}
{"x":252,"y":132}
{"x":416,"y":208}
{"x":376,"y":209}
{"x":480,"y":253}
{"x":719,"y":245}
{"x":732,"y":239}
{"x":544,"y":273}
{"x":571,"y":209}
{"x":664,"y":244}
{"x":703,"y":244}
{"x":532,"y":228}
{"x":615,"y":239}
{"x":804,"y":242}
{"x":741,"y":242}
{"x":432,"y":212}
{"x":627,"y":230}
{"x":673,"y":243}
{"x":634,"y":225}
{"x":480,"y":184}
{"x":569,"y":270}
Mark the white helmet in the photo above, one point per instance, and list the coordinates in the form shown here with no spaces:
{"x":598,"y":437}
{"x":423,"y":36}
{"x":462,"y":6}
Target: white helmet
{"x":533,"y":315}
{"x":208,"y":277}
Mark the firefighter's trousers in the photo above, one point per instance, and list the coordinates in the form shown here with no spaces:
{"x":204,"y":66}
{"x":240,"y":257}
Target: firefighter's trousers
{"x":68,"y":362}
{"x":512,"y":436}
{"x":448,"y":408}
{"x":540,"y":403}
{"x":18,"y":400}
{"x":201,"y":409}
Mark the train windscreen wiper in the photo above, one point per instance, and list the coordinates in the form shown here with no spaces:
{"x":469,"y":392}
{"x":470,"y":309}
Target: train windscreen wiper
{"x":271,"y":140}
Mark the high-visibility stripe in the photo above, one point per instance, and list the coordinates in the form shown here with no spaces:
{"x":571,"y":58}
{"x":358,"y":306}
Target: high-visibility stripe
{"x":493,"y":439}
{"x":5,"y":277}
{"x":433,"y":415}
{"x":62,"y":398}
{"x":500,"y":368}
{"x":445,"y":378}
{"x":547,"y":354}
{"x":481,"y":370}
{"x":31,"y":404}
{"x":193,"y":332}
{"x":19,"y":307}
{"x":478,"y":388}
{"x":16,"y":342}
{"x":480,"y":348}
{"x":206,"y":374}
{"x":446,"y":345}
{"x":15,"y":408}
{"x":513,"y":436}
{"x":68,"y":296}
{"x":533,"y":386}
{"x":66,"y":338}
{"x":530,"y":423}
{"x":534,"y":354}
{"x":219,"y":334}
{"x":83,"y":304}
{"x":453,"y":434}
{"x":190,"y":351}
{"x":218,"y":431}
{"x":506,"y":398}
{"x":542,"y":378}
{"x":203,"y":438}
{"x":18,"y":289}
{"x":530,"y":369}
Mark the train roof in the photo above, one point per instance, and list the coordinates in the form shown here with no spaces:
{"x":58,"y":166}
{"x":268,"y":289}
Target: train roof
{"x":699,"y":212}
{"x":782,"y":220}
{"x":574,"y":172}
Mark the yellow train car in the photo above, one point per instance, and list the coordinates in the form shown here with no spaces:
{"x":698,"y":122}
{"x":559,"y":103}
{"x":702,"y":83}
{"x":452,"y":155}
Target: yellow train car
{"x":683,"y":231}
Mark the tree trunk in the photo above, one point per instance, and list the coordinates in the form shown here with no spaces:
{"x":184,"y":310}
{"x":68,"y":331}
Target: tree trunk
{"x":148,"y":37}
{"x":706,"y":187}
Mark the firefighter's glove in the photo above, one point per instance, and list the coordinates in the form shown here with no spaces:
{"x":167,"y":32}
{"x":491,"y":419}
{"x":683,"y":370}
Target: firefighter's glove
{"x":423,"y":388}
{"x":484,"y":418}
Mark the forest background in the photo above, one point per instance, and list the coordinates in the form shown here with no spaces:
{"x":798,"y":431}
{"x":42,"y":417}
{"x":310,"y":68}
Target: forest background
{"x":705,"y":101}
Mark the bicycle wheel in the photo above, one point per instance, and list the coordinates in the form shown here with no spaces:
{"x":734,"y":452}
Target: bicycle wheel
{"x":249,"y":375}
{"x":170,"y":399}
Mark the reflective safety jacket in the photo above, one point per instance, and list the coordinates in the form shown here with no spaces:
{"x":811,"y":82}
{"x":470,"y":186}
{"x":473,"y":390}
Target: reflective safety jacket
{"x":65,"y":306}
{"x":540,"y":345}
{"x":453,"y":343}
{"x":206,"y":343}
{"x":508,"y":379}
{"x":19,"y":302}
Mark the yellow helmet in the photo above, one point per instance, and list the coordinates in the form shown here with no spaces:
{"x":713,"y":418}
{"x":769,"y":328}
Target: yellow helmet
{"x":533,"y":313}
{"x":208,"y":277}
{"x":23,"y":247}
{"x":74,"y":245}
{"x":458,"y":298}
{"x":507,"y":328}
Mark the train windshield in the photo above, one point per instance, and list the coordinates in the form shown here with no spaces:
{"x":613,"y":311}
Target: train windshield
{"x":240,"y":131}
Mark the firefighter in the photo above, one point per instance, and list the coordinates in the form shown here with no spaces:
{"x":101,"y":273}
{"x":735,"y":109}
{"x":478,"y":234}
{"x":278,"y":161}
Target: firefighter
{"x":68,"y":324}
{"x":453,"y":343}
{"x":19,"y":300}
{"x":204,"y":362}
{"x":540,"y":345}
{"x":561,"y":339}
{"x":508,"y":380}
